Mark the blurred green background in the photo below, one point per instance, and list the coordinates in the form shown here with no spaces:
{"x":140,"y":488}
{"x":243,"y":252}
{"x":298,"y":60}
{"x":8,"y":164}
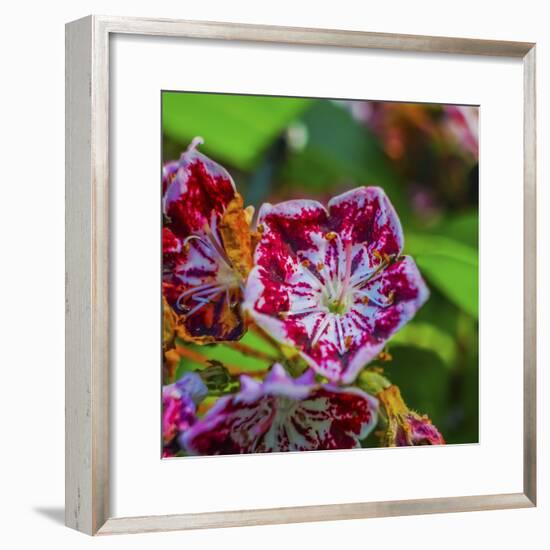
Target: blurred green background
{"x":424,"y":156}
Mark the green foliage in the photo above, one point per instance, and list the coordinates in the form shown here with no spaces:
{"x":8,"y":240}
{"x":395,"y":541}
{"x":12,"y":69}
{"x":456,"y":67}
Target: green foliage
{"x":462,"y":227}
{"x":449,"y":265}
{"x":428,"y":337}
{"x":340,"y":154}
{"x":435,"y":357}
{"x":222,"y":353}
{"x":236,"y":128}
{"x":423,"y":380}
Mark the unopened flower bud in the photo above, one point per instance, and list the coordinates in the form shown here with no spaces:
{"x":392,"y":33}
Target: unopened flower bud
{"x":405,"y":427}
{"x":217,"y":378}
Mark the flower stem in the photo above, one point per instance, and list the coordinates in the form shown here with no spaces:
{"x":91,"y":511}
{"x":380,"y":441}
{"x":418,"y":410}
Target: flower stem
{"x":251,"y":352}
{"x":271,"y":341}
{"x":201,"y":359}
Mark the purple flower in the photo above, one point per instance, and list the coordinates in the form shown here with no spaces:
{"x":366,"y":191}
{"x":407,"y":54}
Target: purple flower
{"x":179,"y":406}
{"x":332,"y":283}
{"x":283,"y":414}
{"x":207,"y":250}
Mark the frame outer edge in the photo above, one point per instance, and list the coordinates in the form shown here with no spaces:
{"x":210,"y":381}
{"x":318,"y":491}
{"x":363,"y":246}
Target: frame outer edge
{"x":100,"y":274}
{"x":315,"y":36}
{"x":86,"y":279}
{"x":299,"y":514}
{"x":530,"y":279}
{"x":78,"y":277}
{"x":87,"y":274}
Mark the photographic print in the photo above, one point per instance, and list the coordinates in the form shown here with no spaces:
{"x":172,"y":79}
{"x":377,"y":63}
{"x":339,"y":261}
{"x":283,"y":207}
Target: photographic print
{"x":319,"y":274}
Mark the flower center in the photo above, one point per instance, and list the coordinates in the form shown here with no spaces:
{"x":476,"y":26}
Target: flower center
{"x":338,"y":305}
{"x":337,"y":297}
{"x":227,"y":276}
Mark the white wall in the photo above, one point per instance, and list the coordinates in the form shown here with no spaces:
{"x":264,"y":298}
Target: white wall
{"x":31,"y":294}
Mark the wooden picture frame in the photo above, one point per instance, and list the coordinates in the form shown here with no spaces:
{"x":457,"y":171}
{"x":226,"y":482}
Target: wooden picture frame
{"x":87,"y":272}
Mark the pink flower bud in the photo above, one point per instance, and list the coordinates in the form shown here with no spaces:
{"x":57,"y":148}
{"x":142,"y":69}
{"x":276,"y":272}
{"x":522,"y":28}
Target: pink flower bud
{"x":405,"y":427}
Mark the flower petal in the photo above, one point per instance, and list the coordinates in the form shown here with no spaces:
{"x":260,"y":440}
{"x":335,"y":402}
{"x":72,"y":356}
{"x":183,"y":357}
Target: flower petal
{"x":365,"y":215}
{"x":394,"y":296}
{"x":341,"y":353}
{"x":283,"y":309}
{"x":235,"y":235}
{"x":294,"y":222}
{"x":284,"y":414}
{"x":282,"y":281}
{"x":179,"y":402}
{"x":422,"y":431}
{"x":229,"y":427}
{"x":336,"y":346}
{"x":217,"y":320}
{"x":199,"y":189}
{"x":169,"y":171}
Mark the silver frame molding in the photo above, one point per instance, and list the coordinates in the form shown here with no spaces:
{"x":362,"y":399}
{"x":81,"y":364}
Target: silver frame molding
{"x":87,"y":273}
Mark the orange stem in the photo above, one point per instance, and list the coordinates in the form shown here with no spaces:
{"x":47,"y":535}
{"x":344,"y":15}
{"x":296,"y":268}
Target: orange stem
{"x":260,"y":332}
{"x":197,"y":357}
{"x":250,"y":352}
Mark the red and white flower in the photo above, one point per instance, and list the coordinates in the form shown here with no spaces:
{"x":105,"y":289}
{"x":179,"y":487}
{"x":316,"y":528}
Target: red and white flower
{"x":331,"y":282}
{"x":283,"y":414}
{"x":179,"y":407}
{"x":207,"y":251}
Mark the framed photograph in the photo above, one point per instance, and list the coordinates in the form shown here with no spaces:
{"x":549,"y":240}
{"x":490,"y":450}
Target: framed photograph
{"x":300,"y":275}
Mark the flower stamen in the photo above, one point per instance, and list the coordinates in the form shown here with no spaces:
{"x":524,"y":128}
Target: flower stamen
{"x":367,"y":298}
{"x":339,"y":305}
{"x":320,"y":330}
{"x":385,"y":260}
{"x":341,"y":341}
{"x":201,"y":289}
{"x":203,"y":302}
{"x":285,"y":314}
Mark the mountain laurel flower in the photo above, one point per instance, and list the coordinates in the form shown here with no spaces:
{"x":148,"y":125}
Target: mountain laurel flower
{"x":405,"y":427}
{"x":207,"y":249}
{"x":331,"y":282}
{"x":179,"y":406}
{"x":283,"y":414}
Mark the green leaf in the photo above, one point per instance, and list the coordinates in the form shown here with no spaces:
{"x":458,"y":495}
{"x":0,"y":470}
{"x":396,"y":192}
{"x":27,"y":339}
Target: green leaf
{"x":340,"y":154}
{"x":423,"y":381}
{"x":236,"y":128}
{"x":227,"y":355}
{"x":428,"y":337}
{"x":185,"y":365}
{"x":461,"y":227}
{"x":450,"y":266}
